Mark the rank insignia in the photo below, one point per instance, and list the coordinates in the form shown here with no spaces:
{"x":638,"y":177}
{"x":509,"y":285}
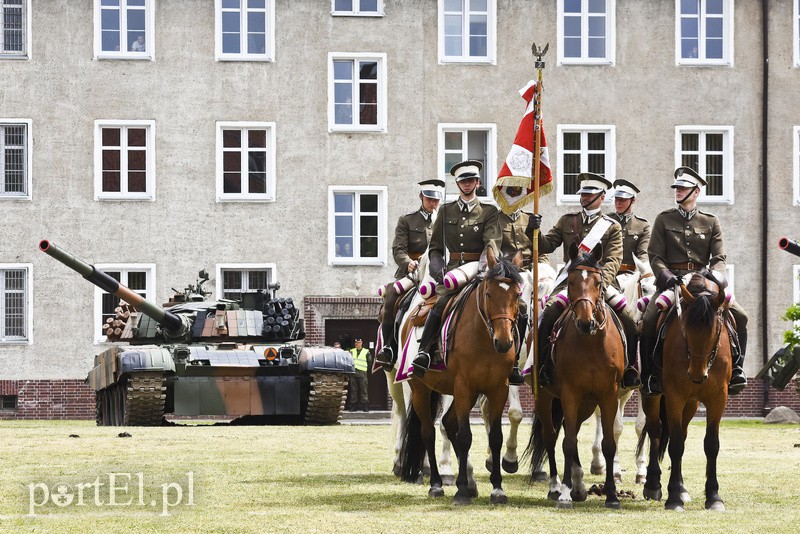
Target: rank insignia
{"x":475,"y":228}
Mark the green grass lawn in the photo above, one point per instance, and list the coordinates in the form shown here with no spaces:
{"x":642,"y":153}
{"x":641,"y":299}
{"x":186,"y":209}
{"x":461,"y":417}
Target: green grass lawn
{"x":338,"y":479}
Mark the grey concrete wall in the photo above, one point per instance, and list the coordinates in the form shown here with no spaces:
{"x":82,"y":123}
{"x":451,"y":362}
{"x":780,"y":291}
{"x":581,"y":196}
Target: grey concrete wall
{"x":63,"y":90}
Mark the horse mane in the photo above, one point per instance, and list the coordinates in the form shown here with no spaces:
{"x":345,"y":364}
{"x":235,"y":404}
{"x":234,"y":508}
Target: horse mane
{"x":700,"y":313}
{"x":505,"y":269}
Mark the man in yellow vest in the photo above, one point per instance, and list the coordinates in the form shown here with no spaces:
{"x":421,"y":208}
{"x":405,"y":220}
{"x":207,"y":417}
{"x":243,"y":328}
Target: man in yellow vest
{"x":358,"y":381}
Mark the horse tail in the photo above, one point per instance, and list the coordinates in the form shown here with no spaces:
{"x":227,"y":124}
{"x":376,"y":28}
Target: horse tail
{"x":536,"y":448}
{"x":412,"y":449}
{"x":664,"y":442}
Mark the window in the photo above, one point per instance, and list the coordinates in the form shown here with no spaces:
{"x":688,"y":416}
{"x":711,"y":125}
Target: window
{"x":709,"y":151}
{"x":9,"y":403}
{"x":361,"y":8}
{"x":459,"y":142}
{"x":245,"y":161}
{"x":357,"y":93}
{"x":796,"y":163}
{"x":586,"y":32}
{"x":123,"y":29}
{"x":245,"y":30}
{"x":704,"y":32}
{"x":15,"y":34}
{"x":15,"y":303}
{"x":467,"y":31}
{"x":124,"y":160}
{"x":357,"y":225}
{"x":238,"y":279}
{"x":15,"y":159}
{"x":583,"y":148}
{"x":139,"y":278}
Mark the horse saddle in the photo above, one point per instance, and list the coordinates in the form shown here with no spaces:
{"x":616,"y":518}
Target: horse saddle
{"x":420,"y":312}
{"x":665,"y":319}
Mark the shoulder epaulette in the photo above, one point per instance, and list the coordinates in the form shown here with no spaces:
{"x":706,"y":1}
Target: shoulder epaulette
{"x":670,"y":210}
{"x":641,"y":218}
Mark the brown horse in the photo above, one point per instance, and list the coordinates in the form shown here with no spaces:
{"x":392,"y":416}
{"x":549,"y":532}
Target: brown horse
{"x":696,"y":368}
{"x":479,"y":361}
{"x":589,"y":358}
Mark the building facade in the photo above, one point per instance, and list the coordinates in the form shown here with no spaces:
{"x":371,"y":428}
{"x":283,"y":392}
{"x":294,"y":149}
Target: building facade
{"x":280,"y":140}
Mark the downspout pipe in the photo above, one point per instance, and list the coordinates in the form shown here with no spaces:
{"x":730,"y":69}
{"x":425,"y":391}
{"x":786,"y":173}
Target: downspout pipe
{"x":764,"y":190}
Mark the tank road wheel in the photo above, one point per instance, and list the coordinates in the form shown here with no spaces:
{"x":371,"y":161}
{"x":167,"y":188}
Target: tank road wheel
{"x":143,"y":397}
{"x":326,"y":398}
{"x":100,"y":408}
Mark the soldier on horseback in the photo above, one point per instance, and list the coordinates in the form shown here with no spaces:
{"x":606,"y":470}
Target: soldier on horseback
{"x":411,"y":238}
{"x":685,"y":239}
{"x":466,"y":227}
{"x":585,"y":229}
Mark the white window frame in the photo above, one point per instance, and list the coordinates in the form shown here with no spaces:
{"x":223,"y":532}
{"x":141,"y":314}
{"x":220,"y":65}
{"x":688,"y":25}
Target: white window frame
{"x":269,"y":196}
{"x":490,"y":165}
{"x":271,"y":267}
{"x":382,"y":92}
{"x":150,"y":188}
{"x":28,"y":267}
{"x":796,"y":164}
{"x":491,"y":38}
{"x":149,"y":34}
{"x":28,"y":123}
{"x":610,"y":130}
{"x":611,"y":36}
{"x":26,"y":37}
{"x":269,"y":49}
{"x":727,"y":160}
{"x":150,"y":292}
{"x":383,"y":239}
{"x":356,"y":11}
{"x":727,"y":37}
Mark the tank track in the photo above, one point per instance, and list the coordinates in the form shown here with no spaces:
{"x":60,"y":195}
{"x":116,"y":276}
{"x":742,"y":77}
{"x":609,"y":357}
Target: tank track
{"x":145,"y":398}
{"x":326,"y":398}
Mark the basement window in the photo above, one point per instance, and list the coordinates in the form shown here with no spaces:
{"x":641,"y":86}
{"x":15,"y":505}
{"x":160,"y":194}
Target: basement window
{"x":9,"y":403}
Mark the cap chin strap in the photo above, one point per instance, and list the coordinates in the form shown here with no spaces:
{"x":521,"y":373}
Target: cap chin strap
{"x":598,"y":195}
{"x":471,"y":192}
{"x":690,"y":193}
{"x":626,"y":210}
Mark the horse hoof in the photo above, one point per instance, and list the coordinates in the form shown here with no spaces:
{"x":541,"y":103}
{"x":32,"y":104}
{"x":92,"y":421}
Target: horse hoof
{"x":597,"y":469}
{"x":489,"y":465}
{"x":448,"y":480}
{"x":462,"y":500}
{"x":540,"y":476}
{"x":498,"y":497}
{"x":553,"y":495}
{"x":397,"y":470}
{"x":651,"y":494}
{"x":419,"y":480}
{"x":510,"y":467}
{"x":674,"y":506}
{"x":436,"y":491}
{"x":716,"y":506}
{"x":564,"y":505}
{"x":641,"y":479}
{"x":685,"y":497}
{"x":472,"y":491}
{"x":613,"y":505}
{"x":577,"y":496}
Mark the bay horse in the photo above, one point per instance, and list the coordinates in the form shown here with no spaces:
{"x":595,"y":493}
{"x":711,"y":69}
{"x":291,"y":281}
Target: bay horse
{"x":589,"y":359}
{"x":696,"y":368}
{"x":479,"y":361}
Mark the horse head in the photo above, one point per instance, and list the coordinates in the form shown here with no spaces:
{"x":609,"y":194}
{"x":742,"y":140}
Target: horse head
{"x":701,"y":323}
{"x":498,"y":302}
{"x":585,"y":290}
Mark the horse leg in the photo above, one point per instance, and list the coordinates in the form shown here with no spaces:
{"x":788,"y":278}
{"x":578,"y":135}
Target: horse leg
{"x":494,"y":411}
{"x":688,"y":412}
{"x":651,"y":406}
{"x":570,"y":449}
{"x":463,"y":402}
{"x":446,"y":462}
{"x":484,"y":405}
{"x":510,"y":459}
{"x":543,"y":443}
{"x":422,"y":406}
{"x":398,"y":417}
{"x":711,"y":447}
{"x":618,"y":428}
{"x":676,"y":449}
{"x":641,"y":458}
{"x":609,"y":417}
{"x":598,"y":465}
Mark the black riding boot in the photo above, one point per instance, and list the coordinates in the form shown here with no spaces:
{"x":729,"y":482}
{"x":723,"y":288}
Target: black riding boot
{"x":630,"y":378}
{"x":738,"y":379}
{"x":386,"y":356}
{"x":651,"y":384}
{"x":515,"y":378}
{"x":429,"y":332}
{"x":545,"y":329}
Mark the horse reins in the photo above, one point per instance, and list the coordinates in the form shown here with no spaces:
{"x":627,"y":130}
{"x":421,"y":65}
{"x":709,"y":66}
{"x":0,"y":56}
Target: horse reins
{"x":487,"y":319}
{"x":713,"y":354}
{"x":598,"y":305}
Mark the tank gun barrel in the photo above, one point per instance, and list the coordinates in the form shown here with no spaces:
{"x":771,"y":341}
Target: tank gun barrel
{"x":105,"y":282}
{"x":789,"y":245}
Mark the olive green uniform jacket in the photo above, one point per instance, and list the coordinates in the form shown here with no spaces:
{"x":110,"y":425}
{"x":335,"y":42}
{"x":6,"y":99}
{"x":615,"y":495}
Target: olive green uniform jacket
{"x":471,"y":232}
{"x":411,"y":237}
{"x":635,"y":238}
{"x":570,"y":229}
{"x":516,"y":239}
{"x":675,"y":240}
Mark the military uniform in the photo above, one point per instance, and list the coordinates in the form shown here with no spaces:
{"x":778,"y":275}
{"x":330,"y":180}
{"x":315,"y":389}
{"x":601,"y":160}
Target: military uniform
{"x":411,"y":237}
{"x":635,"y":239}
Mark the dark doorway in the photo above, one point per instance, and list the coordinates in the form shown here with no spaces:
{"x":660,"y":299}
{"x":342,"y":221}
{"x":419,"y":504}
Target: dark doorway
{"x":344,"y":331}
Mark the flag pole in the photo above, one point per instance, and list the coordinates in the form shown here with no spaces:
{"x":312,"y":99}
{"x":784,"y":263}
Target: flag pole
{"x":537,"y":149}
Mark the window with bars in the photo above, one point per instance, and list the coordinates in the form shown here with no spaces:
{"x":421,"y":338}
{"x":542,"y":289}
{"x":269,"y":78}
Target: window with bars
{"x":9,"y":402}
{"x":14,"y":160}
{"x":704,"y":32}
{"x":357,"y":225}
{"x":362,"y":8}
{"x":357,"y":92}
{"x":467,"y":31}
{"x":245,"y":30}
{"x":14,"y":35}
{"x":459,"y":142}
{"x":708,"y":150}
{"x":123,"y":29}
{"x":583,"y":148}
{"x":586,"y":31}
{"x":240,"y":279}
{"x":245,"y":161}
{"x":124,"y":160}
{"x":14,"y":303}
{"x":138,"y":278}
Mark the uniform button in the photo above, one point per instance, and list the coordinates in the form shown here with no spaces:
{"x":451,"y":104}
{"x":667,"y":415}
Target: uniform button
{"x":462,"y":244}
{"x":464,"y":219}
{"x":460,"y":235}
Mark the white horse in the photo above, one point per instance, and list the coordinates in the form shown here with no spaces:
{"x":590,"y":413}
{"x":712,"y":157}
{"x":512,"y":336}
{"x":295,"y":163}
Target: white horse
{"x":632,"y":284}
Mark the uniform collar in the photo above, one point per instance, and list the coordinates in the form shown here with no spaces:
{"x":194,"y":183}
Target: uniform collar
{"x":514,"y":216}
{"x":425,"y":215}
{"x":468,"y":205}
{"x":589,"y":215}
{"x":623,"y":218}
{"x":687,"y":214}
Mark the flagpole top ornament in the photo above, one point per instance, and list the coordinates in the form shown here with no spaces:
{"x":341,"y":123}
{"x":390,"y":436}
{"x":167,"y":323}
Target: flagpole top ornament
{"x":539,"y":52}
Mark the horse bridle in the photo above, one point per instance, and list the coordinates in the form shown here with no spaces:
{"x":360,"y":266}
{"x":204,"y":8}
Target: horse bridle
{"x":487,"y":319}
{"x":598,"y":306}
{"x":713,"y":354}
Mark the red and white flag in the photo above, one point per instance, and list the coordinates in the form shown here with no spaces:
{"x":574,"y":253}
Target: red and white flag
{"x":514,"y":187}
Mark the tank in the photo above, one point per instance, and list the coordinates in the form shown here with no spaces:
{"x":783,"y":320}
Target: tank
{"x":244,"y":360}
